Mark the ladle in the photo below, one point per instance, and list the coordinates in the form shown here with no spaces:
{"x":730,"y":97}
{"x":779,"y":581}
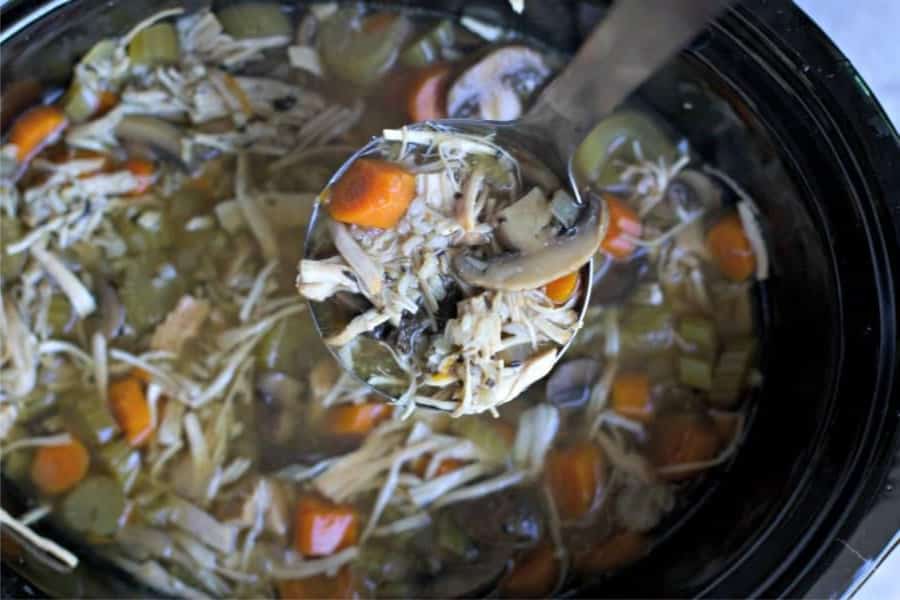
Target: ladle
{"x":635,"y":39}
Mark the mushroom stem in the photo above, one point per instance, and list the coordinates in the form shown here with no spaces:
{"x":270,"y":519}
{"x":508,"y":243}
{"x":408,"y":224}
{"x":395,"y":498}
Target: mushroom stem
{"x":527,"y":271}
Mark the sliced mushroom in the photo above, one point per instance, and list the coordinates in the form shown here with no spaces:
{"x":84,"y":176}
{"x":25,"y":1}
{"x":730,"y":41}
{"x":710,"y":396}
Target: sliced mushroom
{"x":693,"y":190}
{"x":571,"y":383}
{"x":524,"y":224}
{"x":527,"y":271}
{"x":154,"y":136}
{"x":493,"y":88}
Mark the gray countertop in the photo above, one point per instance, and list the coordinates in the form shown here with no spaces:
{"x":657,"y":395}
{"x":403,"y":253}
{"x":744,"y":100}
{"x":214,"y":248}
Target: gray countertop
{"x":868,"y":33}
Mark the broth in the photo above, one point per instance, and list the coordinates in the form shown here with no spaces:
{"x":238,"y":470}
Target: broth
{"x":165,"y":396}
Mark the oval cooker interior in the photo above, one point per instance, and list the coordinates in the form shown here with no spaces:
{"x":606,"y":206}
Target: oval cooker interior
{"x":752,"y":101}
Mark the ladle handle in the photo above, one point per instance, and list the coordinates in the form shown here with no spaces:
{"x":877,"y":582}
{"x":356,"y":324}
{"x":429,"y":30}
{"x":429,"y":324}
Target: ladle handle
{"x":629,"y":45}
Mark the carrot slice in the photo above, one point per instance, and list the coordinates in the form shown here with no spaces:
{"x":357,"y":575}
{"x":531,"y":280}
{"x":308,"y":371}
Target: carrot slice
{"x":613,"y":553}
{"x":322,"y":527}
{"x":576,"y":476}
{"x":427,"y":95}
{"x":631,"y":396}
{"x":534,"y":576}
{"x":372,"y":193}
{"x":131,"y":410}
{"x":356,"y":419}
{"x":141,"y":375}
{"x":623,"y":223}
{"x":731,"y":249}
{"x":144,"y":171}
{"x":106,"y":103}
{"x":35,"y":129}
{"x":560,"y":290}
{"x":56,"y":469}
{"x":448,"y":465}
{"x":322,"y":587}
{"x":681,"y":438}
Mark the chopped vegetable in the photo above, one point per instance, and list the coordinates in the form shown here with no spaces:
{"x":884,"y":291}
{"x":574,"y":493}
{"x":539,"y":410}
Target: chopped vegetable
{"x":154,"y":46}
{"x":351,"y":53}
{"x":560,"y":290}
{"x":631,"y":396}
{"x":420,"y":466}
{"x":700,"y":333}
{"x":36,"y":129}
{"x":599,"y":158}
{"x":678,"y":438}
{"x":731,"y":249}
{"x":428,"y":48}
{"x":623,"y":224}
{"x":95,"y":507}
{"x":255,"y":20}
{"x":123,"y":461}
{"x":56,"y":469}
{"x":646,"y":329}
{"x":535,"y":575}
{"x":576,"y":476}
{"x":731,"y":372}
{"x":318,"y":587}
{"x":322,"y":527}
{"x":144,"y":171}
{"x":524,"y":224}
{"x":129,"y":405}
{"x":356,"y":419}
{"x":88,"y":416}
{"x":695,"y":372}
{"x":494,"y":87}
{"x":492,"y":437}
{"x":426,"y":99}
{"x":621,"y":549}
{"x":372,"y":193}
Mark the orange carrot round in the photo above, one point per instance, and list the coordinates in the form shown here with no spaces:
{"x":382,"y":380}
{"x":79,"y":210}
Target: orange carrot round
{"x":131,"y":410}
{"x":322,"y":527}
{"x":372,"y":193}
{"x":560,"y":290}
{"x":681,"y":438}
{"x":631,"y":396}
{"x":356,"y":419}
{"x":320,"y":587}
{"x":623,"y":223}
{"x":105,"y":103}
{"x":56,"y":469}
{"x":534,"y":576}
{"x":144,"y":172}
{"x":731,"y":249}
{"x":428,"y":92}
{"x":35,"y":129}
{"x":576,"y":476}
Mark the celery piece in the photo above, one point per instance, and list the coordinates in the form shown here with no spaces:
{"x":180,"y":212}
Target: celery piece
{"x":123,"y":462}
{"x":731,"y":372}
{"x":484,"y":435}
{"x":155,"y":45}
{"x":255,"y":20}
{"x":11,"y":230}
{"x":95,"y":506}
{"x":695,"y":372}
{"x":428,"y":47}
{"x":85,"y":412}
{"x":60,"y":316}
{"x":355,"y":55}
{"x":646,"y":329}
{"x":700,"y":333}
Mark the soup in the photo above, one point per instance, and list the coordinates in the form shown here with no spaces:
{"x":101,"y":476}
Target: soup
{"x":166,"y":400}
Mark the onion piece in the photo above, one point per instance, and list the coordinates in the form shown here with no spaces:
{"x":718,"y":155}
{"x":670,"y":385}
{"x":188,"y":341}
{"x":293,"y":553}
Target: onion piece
{"x":77,"y":293}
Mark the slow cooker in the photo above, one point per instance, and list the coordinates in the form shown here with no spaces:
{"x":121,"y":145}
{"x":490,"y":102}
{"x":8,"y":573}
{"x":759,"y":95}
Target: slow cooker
{"x":810,"y":504}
